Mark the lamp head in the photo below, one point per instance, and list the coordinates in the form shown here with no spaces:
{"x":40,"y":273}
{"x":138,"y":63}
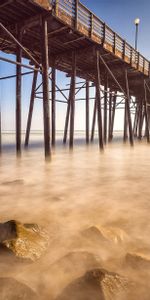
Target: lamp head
{"x":137,"y":21}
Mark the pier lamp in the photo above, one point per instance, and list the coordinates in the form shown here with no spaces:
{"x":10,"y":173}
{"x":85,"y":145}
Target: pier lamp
{"x":136,"y":22}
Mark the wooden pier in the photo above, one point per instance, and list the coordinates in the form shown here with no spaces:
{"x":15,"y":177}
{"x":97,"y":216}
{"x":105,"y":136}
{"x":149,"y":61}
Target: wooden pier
{"x":64,"y":35}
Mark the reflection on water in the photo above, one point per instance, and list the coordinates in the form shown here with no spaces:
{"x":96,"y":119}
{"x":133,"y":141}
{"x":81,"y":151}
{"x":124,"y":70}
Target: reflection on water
{"x":74,"y":193}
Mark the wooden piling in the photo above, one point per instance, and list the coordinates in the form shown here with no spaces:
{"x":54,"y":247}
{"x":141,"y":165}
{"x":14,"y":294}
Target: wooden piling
{"x":67,"y":116}
{"x":105,"y":109}
{"x":113,"y":116}
{"x":32,"y":98}
{"x":53,"y":117}
{"x":128,"y":109}
{"x":72,"y":100}
{"x":87,"y":112}
{"x":98,"y":99}
{"x":125,"y":135}
{"x":146,"y":114}
{"x":94,"y":120}
{"x":135,"y":121}
{"x":0,"y":132}
{"x":110,"y":116}
{"x":45,"y":75}
{"x":140,"y":119}
{"x":18,"y":93}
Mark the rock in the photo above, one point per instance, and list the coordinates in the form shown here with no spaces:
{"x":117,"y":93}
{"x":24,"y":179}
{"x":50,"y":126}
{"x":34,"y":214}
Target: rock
{"x":11,"y":289}
{"x":97,"y":284}
{"x":114,"y":234}
{"x":8,"y":231}
{"x":29,"y":242}
{"x":105,"y":234}
{"x":94,"y":234}
{"x":138,"y":260}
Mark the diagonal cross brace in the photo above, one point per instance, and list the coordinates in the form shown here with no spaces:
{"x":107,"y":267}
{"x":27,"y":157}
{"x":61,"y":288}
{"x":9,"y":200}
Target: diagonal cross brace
{"x":19,"y":44}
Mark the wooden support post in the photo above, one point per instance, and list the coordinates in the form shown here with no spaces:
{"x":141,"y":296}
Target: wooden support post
{"x":105,"y":109}
{"x":87,"y":112}
{"x":135,"y":121}
{"x":0,"y":132}
{"x":93,"y":121}
{"x":31,"y":108}
{"x":18,"y":94}
{"x":53,"y":117}
{"x":125,"y":135}
{"x":113,"y":116}
{"x":128,"y":109}
{"x":143,"y":116}
{"x":72,"y":100}
{"x":146,"y":114}
{"x":45,"y":76}
{"x":110,"y":116}
{"x":67,"y":116}
{"x":140,"y":120}
{"x":98,"y":99}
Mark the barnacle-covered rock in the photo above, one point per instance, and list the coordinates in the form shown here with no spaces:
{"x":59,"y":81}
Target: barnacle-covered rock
{"x":97,"y":284}
{"x":29,"y":240}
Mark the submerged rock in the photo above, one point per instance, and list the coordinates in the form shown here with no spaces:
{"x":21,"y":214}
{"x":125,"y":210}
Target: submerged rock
{"x":115,"y":234}
{"x":105,"y":234}
{"x":138,"y":260}
{"x":11,"y":289}
{"x":97,"y":284}
{"x":93,"y":233}
{"x":29,"y":241}
{"x":8,"y":231}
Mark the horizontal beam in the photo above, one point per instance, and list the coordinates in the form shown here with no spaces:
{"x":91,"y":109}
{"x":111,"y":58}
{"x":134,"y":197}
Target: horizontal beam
{"x":65,"y":90}
{"x":57,"y":31}
{"x":75,"y":40}
{"x":79,"y":99}
{"x":18,"y":64}
{"x":13,"y":76}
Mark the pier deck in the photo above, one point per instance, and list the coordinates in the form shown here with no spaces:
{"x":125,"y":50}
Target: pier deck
{"x":72,"y":27}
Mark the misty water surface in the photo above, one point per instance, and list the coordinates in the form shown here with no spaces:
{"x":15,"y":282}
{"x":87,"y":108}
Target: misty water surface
{"x":73,"y":192}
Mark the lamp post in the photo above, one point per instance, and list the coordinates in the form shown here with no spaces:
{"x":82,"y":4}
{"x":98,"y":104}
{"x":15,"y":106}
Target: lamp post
{"x":136,"y":22}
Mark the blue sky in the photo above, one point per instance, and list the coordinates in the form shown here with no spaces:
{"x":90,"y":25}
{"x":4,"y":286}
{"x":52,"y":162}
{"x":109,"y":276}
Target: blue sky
{"x":119,"y":15}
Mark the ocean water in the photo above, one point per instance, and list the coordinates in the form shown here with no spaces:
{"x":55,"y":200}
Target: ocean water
{"x":75,"y":191}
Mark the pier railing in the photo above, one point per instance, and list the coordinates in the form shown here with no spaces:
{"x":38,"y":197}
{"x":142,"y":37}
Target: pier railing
{"x":76,"y":15}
